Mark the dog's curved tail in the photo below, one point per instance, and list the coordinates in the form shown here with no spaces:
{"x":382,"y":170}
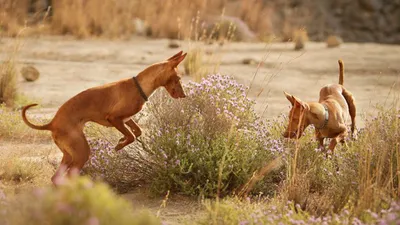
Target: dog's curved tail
{"x":341,"y":72}
{"x":37,"y":127}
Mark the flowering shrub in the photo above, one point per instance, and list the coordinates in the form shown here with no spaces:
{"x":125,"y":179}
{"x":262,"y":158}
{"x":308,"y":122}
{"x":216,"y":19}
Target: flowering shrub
{"x":359,"y":175}
{"x":118,"y":169}
{"x":208,"y":142}
{"x":78,"y":201}
{"x":234,"y":211}
{"x":378,"y":155}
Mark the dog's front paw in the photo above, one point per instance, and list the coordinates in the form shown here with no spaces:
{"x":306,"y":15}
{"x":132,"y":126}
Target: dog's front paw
{"x":119,"y":146}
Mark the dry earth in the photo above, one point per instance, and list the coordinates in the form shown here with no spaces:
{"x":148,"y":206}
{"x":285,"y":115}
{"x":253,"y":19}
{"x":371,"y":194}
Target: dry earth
{"x":68,"y":66}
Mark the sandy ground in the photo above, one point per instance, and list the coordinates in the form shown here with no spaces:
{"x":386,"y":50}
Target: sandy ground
{"x":68,"y":66}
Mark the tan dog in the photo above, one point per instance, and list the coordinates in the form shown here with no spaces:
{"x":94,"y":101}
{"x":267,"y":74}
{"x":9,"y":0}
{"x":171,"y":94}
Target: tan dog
{"x":111,"y":105}
{"x":328,"y":115}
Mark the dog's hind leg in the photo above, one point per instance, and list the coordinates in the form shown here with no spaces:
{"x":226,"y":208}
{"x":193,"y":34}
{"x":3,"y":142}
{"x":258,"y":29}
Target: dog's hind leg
{"x":352,"y":109}
{"x":128,"y":138}
{"x":65,"y":161}
{"x":62,"y":168}
{"x":78,"y":145}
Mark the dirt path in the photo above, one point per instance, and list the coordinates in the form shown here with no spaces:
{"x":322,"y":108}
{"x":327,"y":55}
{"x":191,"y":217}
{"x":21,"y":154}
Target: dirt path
{"x":68,"y":66}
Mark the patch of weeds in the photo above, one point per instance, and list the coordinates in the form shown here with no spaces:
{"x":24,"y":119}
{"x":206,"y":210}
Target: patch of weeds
{"x":8,"y":83}
{"x":16,"y":170}
{"x":265,"y":211}
{"x":12,"y":127}
{"x":76,"y":201}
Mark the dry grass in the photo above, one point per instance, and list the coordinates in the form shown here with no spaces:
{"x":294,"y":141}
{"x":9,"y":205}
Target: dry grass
{"x":171,"y":19}
{"x":12,"y":128}
{"x":8,"y":83}
{"x":174,"y":18}
{"x":13,"y":14}
{"x":258,"y":16}
{"x":89,"y":18}
{"x":8,"y":76}
{"x":16,"y":170}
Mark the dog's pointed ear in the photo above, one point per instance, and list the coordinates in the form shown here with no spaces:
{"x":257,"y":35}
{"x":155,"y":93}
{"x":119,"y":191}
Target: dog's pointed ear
{"x":304,"y":105}
{"x":289,"y":97}
{"x":175,"y":56}
{"x":175,"y":62}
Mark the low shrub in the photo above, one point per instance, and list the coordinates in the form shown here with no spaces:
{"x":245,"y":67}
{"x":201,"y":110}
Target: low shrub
{"x":360,"y":176}
{"x":8,"y":83}
{"x":378,"y":160}
{"x":118,"y":169}
{"x":263,"y":211}
{"x":12,"y":127}
{"x":210,"y":142}
{"x":78,"y":201}
{"x":86,"y":19}
{"x":19,"y":170}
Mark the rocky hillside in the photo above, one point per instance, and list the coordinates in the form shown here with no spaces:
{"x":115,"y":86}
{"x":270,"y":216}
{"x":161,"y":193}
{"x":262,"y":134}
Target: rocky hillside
{"x":353,"y":20}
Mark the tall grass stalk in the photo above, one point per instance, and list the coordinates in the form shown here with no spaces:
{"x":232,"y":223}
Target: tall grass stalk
{"x":8,"y":75}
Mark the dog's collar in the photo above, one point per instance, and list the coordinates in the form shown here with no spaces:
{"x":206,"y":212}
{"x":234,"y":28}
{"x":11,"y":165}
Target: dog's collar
{"x":140,"y":89}
{"x":326,"y":117}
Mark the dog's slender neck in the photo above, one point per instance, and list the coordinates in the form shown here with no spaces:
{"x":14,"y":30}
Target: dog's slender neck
{"x":144,"y":96}
{"x":149,"y":79}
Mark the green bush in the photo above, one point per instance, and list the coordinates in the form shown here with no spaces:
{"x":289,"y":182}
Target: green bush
{"x":378,"y":159}
{"x":210,"y":142}
{"x":78,"y":201}
{"x":263,"y":211}
{"x":361,"y":176}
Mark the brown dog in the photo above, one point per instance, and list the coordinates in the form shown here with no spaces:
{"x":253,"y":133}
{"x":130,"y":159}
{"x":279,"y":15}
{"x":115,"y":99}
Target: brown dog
{"x":328,"y":115}
{"x":110,"y":105}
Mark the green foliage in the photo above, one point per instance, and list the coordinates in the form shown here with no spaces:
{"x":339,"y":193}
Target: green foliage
{"x":210,"y":142}
{"x":264,"y":211}
{"x":378,"y":160}
{"x":78,"y":201}
{"x":360,"y":176}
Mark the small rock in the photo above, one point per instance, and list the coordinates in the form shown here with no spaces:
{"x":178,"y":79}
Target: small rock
{"x":333,"y":41}
{"x":30,"y":73}
{"x":249,"y":61}
{"x":173,"y":44}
